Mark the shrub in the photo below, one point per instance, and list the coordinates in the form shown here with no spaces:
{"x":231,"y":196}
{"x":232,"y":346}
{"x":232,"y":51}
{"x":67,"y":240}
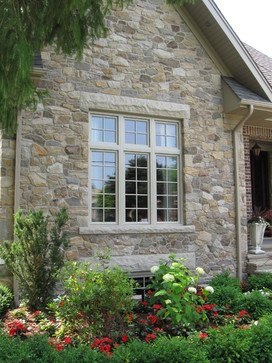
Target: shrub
{"x":163,"y":350}
{"x":258,"y":282}
{"x":229,"y":344}
{"x":175,"y":288}
{"x":224,"y":296}
{"x":36,"y":255}
{"x":6,"y":299}
{"x":95,"y":301}
{"x":255,"y":303}
{"x":224,"y":279}
{"x":262,"y":339}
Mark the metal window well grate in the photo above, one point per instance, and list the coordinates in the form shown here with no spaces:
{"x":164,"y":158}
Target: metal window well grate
{"x":143,"y":280}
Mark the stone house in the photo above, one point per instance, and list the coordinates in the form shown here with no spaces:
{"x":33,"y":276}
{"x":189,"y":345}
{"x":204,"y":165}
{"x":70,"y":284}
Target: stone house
{"x":147,"y":141}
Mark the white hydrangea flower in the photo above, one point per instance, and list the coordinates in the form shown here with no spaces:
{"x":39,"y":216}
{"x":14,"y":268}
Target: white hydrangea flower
{"x":210,"y":289}
{"x":154,"y":269}
{"x":192,"y":289}
{"x":200,"y":271}
{"x":168,"y":277}
{"x":167,"y":302}
{"x":175,"y":264}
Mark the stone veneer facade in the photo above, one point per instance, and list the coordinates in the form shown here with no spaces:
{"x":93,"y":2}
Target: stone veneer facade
{"x":149,"y":61}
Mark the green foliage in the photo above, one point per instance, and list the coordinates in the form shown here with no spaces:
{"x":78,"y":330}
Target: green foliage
{"x":224,"y":279}
{"x":175,"y":288}
{"x":6,"y":299}
{"x":258,"y":282}
{"x":36,"y":255}
{"x":255,"y":303}
{"x":262,"y":339}
{"x":27,"y":27}
{"x":96,"y":301}
{"x":162,"y":350}
{"x":229,"y":345}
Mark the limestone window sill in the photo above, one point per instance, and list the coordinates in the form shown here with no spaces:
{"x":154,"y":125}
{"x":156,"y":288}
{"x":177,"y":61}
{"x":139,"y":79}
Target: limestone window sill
{"x":140,"y":228}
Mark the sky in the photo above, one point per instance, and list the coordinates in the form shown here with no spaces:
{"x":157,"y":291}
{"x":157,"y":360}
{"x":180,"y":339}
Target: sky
{"x":251,"y":20}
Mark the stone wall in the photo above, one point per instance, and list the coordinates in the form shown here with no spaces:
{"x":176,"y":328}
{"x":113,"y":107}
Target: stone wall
{"x":7,"y":160}
{"x":150,"y":55}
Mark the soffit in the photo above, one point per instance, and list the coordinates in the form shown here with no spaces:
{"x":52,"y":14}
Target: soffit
{"x":208,"y":20}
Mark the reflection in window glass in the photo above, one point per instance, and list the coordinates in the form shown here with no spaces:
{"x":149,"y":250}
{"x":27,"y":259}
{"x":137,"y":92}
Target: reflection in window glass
{"x":103,"y":129}
{"x":103,"y":181}
{"x":136,"y":187}
{"x":134,"y":170}
{"x":166,"y":134}
{"x":167,"y":188}
{"x":136,"y":132}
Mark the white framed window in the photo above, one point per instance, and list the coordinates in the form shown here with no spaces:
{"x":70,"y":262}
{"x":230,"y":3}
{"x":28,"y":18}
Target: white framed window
{"x":134,"y":170}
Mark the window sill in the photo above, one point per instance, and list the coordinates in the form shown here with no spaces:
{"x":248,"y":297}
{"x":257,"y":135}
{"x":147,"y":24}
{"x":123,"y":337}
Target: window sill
{"x":166,"y":228}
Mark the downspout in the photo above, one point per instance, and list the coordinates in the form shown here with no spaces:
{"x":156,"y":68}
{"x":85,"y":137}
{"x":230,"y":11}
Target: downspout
{"x":236,"y":134}
{"x":17,"y":191}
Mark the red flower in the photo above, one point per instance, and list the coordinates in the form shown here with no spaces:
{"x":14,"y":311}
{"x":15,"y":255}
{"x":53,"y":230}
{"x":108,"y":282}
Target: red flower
{"x":37,"y":312}
{"x":243,"y":313}
{"x":59,"y":347}
{"x":150,"y":293}
{"x":125,"y":338}
{"x":61,"y":303}
{"x":67,"y":340}
{"x":157,"y":306}
{"x":106,"y":340}
{"x":202,"y":336}
{"x":150,"y":337}
{"x":153,"y":318}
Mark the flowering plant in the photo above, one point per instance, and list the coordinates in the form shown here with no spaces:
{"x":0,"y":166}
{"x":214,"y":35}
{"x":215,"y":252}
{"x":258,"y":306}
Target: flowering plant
{"x":175,"y":288}
{"x":259,"y":216}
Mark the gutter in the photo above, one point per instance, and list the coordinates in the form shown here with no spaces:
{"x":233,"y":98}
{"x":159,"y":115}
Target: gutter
{"x":236,"y":134}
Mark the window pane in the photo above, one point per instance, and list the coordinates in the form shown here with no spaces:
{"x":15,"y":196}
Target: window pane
{"x":97,"y":122}
{"x":136,"y":187}
{"x":130,"y":138}
{"x":110,"y":215}
{"x":160,"y":140}
{"x":97,"y":185}
{"x":167,"y":187}
{"x":109,"y":136}
{"x":136,"y":132}
{"x":110,"y":124}
{"x":141,"y":139}
{"x":166,"y":134}
{"x":104,"y":129}
{"x":171,"y":141}
{"x":103,"y":174}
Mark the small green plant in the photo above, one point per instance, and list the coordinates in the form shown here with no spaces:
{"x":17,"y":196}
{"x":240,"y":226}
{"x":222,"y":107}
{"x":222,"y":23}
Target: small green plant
{"x":258,"y":282}
{"x":96,"y":300}
{"x":175,"y":288}
{"x":6,"y":299}
{"x":36,"y":255}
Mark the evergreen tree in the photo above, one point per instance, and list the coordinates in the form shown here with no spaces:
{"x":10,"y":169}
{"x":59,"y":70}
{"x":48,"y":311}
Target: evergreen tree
{"x":30,"y":25}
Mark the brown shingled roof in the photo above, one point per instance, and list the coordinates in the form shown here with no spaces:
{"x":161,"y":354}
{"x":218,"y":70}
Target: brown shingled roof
{"x":263,"y":62}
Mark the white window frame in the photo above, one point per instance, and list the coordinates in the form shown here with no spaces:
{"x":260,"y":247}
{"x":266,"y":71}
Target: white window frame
{"x":120,"y":148}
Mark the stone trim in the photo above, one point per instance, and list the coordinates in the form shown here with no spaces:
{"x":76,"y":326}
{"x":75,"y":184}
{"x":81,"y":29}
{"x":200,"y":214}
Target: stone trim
{"x":95,"y":230}
{"x":140,"y":264}
{"x":125,"y":105}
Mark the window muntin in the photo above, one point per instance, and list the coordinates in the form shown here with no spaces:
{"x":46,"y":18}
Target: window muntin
{"x":167,"y":188}
{"x":145,"y":187}
{"x":136,"y":132}
{"x":104,"y":129}
{"x":136,"y":187}
{"x":166,"y":134}
{"x":103,"y":182}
